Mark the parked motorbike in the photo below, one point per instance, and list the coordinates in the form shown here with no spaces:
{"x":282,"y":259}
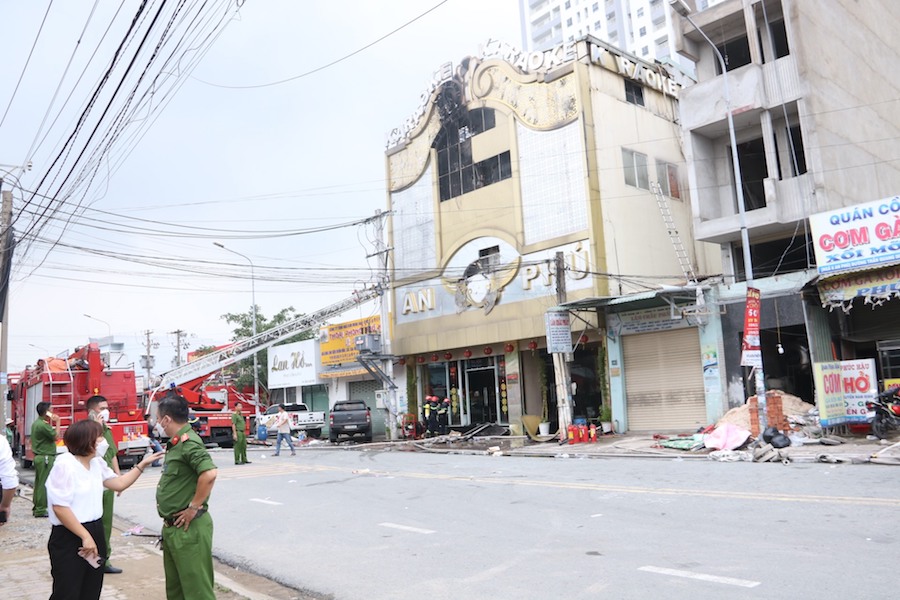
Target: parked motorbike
{"x":885,"y":411}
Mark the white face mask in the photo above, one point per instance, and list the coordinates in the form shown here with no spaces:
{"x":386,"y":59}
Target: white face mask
{"x":102,"y":447}
{"x":104,"y":414}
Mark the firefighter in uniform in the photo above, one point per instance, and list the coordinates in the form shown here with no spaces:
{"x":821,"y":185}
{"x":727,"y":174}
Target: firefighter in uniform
{"x":98,"y":410}
{"x":43,"y":444}
{"x":431,"y":413}
{"x":444,"y":416}
{"x":239,"y":435}
{"x":181,"y":500}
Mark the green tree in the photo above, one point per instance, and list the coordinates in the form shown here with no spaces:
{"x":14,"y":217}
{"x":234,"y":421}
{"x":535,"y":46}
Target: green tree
{"x":242,"y":324}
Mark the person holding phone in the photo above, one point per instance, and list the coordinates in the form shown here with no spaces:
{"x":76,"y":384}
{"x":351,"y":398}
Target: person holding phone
{"x":75,"y":487}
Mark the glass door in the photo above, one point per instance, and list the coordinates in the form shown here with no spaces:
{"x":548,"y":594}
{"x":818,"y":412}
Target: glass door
{"x":482,"y":394}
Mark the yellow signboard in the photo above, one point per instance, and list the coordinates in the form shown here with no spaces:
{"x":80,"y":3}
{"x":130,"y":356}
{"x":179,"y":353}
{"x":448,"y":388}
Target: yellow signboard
{"x":337,"y":344}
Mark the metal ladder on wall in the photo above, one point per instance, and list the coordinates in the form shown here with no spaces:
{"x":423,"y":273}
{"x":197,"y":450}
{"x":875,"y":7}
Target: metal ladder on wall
{"x":684,"y":260}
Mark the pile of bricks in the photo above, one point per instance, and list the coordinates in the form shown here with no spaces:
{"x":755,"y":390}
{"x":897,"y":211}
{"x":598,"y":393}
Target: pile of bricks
{"x":774,"y":414}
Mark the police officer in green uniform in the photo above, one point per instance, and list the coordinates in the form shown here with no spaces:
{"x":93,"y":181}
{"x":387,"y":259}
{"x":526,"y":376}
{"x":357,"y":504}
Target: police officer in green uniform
{"x":181,"y":500}
{"x":43,"y":444}
{"x":239,"y":435}
{"x":98,"y":410}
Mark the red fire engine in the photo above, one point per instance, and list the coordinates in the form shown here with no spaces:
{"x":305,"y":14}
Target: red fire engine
{"x":67,"y":383}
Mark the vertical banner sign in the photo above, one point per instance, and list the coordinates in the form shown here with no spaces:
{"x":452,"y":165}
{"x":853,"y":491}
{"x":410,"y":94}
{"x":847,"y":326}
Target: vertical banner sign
{"x":829,"y":393}
{"x":559,"y":332}
{"x":842,"y":388}
{"x":751,"y":356}
{"x":858,"y":379}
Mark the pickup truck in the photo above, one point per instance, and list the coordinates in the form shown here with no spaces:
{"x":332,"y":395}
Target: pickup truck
{"x":302,"y":419}
{"x":350,"y":417}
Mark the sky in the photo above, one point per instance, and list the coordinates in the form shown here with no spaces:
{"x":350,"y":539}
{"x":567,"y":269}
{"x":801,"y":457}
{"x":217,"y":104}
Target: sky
{"x":224,"y":155}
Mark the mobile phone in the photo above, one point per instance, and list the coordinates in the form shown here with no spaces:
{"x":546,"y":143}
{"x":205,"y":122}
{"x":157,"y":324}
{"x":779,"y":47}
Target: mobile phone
{"x":2,"y":516}
{"x":93,"y":560}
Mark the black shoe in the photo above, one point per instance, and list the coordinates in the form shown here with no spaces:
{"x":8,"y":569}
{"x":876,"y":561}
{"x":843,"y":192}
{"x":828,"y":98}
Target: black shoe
{"x":108,"y":568}
{"x":44,"y":516}
{"x":247,"y":462}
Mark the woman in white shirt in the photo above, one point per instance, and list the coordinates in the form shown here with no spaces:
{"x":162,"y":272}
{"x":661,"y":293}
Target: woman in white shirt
{"x":75,"y":503}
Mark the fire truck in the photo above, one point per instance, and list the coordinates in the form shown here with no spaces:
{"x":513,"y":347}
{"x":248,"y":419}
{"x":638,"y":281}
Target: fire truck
{"x":67,"y":383}
{"x":211,"y":405}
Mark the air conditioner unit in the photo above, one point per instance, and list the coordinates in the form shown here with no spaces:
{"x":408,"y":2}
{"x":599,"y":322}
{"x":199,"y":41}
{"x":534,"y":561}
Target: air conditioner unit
{"x":381,"y":398}
{"x":370,"y":342}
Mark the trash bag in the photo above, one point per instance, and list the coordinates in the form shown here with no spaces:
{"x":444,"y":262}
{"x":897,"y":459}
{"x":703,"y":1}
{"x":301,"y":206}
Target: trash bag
{"x":779,"y":440}
{"x":768,"y":434}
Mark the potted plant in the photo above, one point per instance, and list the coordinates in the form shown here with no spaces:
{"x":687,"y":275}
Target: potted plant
{"x":606,"y":418}
{"x":544,"y":425}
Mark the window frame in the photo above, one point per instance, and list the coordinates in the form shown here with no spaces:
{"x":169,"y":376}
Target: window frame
{"x":634,"y":93}
{"x":666,"y":174}
{"x":631,"y":165}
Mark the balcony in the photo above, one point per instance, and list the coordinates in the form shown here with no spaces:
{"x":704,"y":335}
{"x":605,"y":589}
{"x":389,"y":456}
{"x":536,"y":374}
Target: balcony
{"x":703,"y":104}
{"x":787,"y":201}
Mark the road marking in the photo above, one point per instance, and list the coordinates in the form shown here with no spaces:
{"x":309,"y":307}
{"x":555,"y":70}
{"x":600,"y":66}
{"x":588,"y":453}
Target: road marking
{"x":284,"y":469}
{"x":406,"y":528}
{"x":594,"y":516}
{"x":271,"y":502}
{"x":701,"y":576}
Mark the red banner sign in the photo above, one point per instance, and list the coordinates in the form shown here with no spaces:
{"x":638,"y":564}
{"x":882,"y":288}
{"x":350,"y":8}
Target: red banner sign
{"x":751,"y":356}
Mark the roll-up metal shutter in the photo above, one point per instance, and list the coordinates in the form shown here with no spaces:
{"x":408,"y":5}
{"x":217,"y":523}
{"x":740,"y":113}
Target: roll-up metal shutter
{"x":365,"y":391}
{"x":664,"y":381}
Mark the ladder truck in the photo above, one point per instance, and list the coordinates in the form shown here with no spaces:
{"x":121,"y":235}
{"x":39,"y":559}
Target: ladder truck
{"x":213,"y":414}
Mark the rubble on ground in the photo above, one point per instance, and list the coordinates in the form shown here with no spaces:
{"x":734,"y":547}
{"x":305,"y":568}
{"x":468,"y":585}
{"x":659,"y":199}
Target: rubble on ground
{"x":796,"y":410}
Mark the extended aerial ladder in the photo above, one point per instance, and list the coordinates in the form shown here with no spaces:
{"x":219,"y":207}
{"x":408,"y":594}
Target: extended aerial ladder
{"x":195,"y":372}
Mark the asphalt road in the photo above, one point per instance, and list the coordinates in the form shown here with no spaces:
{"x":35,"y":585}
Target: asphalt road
{"x":399,"y":525}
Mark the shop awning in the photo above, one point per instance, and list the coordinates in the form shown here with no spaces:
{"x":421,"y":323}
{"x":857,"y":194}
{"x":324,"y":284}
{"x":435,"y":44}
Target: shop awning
{"x":665,"y":295}
{"x":876,"y":285}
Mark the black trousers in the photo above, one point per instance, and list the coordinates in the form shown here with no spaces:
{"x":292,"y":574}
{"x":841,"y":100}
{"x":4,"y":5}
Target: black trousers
{"x":73,"y":577}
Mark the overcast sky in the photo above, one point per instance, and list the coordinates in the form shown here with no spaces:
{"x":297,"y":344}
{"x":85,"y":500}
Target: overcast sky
{"x":218,"y":163}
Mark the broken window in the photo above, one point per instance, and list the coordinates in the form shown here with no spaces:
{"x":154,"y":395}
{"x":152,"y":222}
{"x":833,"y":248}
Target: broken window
{"x":775,"y":257}
{"x":736,"y":54}
{"x":778,"y":37}
{"x":457,"y":174}
{"x":489,"y":258}
{"x":634,"y":92}
{"x":752,"y":160}
{"x":635,"y":166}
{"x":796,"y":160}
{"x":667,"y":176}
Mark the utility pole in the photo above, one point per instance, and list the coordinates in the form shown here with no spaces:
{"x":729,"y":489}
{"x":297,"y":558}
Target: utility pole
{"x":560,"y":366}
{"x":179,"y":334}
{"x":148,"y":361}
{"x":5,"y":235}
{"x":387,"y":364}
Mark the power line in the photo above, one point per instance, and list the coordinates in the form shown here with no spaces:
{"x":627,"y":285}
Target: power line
{"x":328,"y":65}
{"x":27,"y":62}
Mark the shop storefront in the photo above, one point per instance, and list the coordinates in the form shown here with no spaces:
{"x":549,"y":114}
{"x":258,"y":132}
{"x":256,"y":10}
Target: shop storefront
{"x":858,"y":260}
{"x":657,"y":363}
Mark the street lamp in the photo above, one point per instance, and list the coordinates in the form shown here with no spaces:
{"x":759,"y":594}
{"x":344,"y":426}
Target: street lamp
{"x":108,"y":328}
{"x":44,"y":350}
{"x":253,"y":299}
{"x":680,"y":7}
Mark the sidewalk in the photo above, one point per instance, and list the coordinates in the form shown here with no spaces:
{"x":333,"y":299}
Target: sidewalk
{"x":855,"y":449}
{"x":25,"y":565}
